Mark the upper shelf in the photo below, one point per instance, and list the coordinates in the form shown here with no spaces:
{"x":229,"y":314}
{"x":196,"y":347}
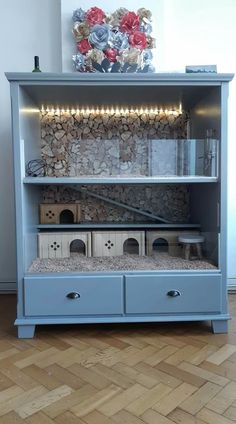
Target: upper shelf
{"x":121,"y":79}
{"x":117,"y":180}
{"x":73,"y":89}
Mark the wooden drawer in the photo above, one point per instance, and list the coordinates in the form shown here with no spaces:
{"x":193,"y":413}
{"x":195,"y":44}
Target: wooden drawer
{"x":97,"y":295}
{"x":149,"y":294}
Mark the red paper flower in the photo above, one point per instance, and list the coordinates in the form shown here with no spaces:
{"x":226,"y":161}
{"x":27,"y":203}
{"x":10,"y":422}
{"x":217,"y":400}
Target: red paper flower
{"x":111,"y":54}
{"x":129,"y":23}
{"x":94,"y":16}
{"x":84,"y":46}
{"x":138,"y":40}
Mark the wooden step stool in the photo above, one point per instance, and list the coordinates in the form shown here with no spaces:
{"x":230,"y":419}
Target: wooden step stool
{"x":190,"y":240}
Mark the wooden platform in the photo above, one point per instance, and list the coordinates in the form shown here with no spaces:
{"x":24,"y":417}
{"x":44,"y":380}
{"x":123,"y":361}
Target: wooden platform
{"x":117,"y":374}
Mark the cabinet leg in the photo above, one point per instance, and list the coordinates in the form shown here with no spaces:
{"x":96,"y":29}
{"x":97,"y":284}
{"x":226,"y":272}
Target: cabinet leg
{"x":219,"y":326}
{"x":26,"y":331}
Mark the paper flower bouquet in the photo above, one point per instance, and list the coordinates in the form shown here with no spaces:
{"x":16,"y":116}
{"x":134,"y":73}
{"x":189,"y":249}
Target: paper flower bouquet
{"x":119,"y":42}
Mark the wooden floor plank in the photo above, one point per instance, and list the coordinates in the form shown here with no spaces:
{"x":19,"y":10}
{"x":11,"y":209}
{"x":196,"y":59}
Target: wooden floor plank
{"x":32,"y":407}
{"x":122,"y":400}
{"x":158,"y":375}
{"x":125,"y":417}
{"x":19,"y":377}
{"x":62,"y":405}
{"x":160,"y":355}
{"x":153,"y":417}
{"x":11,"y":418}
{"x":211,"y":417}
{"x":14,"y":403}
{"x":200,"y":398}
{"x":222,"y":354}
{"x":112,"y":375}
{"x":148,"y":399}
{"x":89,"y":375}
{"x":207,"y":375}
{"x":6,"y":382}
{"x":94,"y":402}
{"x":64,"y":376}
{"x":180,"y":374}
{"x":231,"y":413}
{"x":96,"y":417}
{"x":42,"y":376}
{"x":68,"y":418}
{"x":181,"y":417}
{"x":36,"y":358}
{"x":201,"y":355}
{"x":38,"y":418}
{"x":10,"y":393}
{"x":223,"y":399}
{"x":174,"y":399}
{"x":181,"y":355}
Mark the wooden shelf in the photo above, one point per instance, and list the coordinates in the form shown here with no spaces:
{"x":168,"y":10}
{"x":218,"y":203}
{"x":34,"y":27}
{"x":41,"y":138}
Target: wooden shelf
{"x":118,"y":180}
{"x":112,"y":225}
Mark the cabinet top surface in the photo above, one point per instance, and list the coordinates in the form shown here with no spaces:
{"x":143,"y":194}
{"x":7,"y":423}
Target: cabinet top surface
{"x":116,"y":78}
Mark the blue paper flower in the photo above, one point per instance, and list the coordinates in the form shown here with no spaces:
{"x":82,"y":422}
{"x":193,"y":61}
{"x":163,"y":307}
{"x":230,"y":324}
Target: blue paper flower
{"x":147,"y":55}
{"x":145,"y":27}
{"x":99,"y":36}
{"x":118,"y":40}
{"x":78,"y":61}
{"x":78,"y":15}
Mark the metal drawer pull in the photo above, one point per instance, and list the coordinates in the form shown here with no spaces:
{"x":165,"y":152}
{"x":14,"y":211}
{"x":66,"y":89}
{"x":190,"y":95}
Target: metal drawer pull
{"x":173,"y":293}
{"x":73,"y":295}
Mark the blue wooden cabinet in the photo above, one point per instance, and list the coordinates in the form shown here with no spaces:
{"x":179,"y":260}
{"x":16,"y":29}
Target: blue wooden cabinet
{"x":123,"y":296}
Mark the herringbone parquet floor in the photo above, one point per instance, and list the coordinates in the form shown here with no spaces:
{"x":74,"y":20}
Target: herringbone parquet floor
{"x":122,"y":374}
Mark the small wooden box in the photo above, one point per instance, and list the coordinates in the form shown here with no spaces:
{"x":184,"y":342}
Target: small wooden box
{"x":118,"y":243}
{"x":58,"y":245}
{"x":170,"y":237}
{"x":59,"y":213}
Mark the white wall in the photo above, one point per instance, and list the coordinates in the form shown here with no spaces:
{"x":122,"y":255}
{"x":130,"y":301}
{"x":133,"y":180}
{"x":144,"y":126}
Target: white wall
{"x":27,"y":28}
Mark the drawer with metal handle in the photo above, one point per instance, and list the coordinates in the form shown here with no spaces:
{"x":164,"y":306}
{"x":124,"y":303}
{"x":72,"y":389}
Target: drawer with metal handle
{"x":73,"y":295}
{"x":172,"y":294}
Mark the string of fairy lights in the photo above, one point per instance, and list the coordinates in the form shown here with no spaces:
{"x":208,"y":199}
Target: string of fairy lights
{"x":119,"y":111}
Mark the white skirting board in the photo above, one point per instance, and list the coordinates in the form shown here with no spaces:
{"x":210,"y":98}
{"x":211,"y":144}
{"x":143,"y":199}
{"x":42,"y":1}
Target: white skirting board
{"x":231,"y":284}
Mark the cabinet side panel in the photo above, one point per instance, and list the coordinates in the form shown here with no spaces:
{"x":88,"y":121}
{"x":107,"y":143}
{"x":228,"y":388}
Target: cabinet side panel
{"x":30,"y":135}
{"x":18,"y":185}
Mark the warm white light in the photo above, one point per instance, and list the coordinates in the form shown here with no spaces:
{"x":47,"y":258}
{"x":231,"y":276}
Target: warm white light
{"x":29,"y":110}
{"x":114,"y":110}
